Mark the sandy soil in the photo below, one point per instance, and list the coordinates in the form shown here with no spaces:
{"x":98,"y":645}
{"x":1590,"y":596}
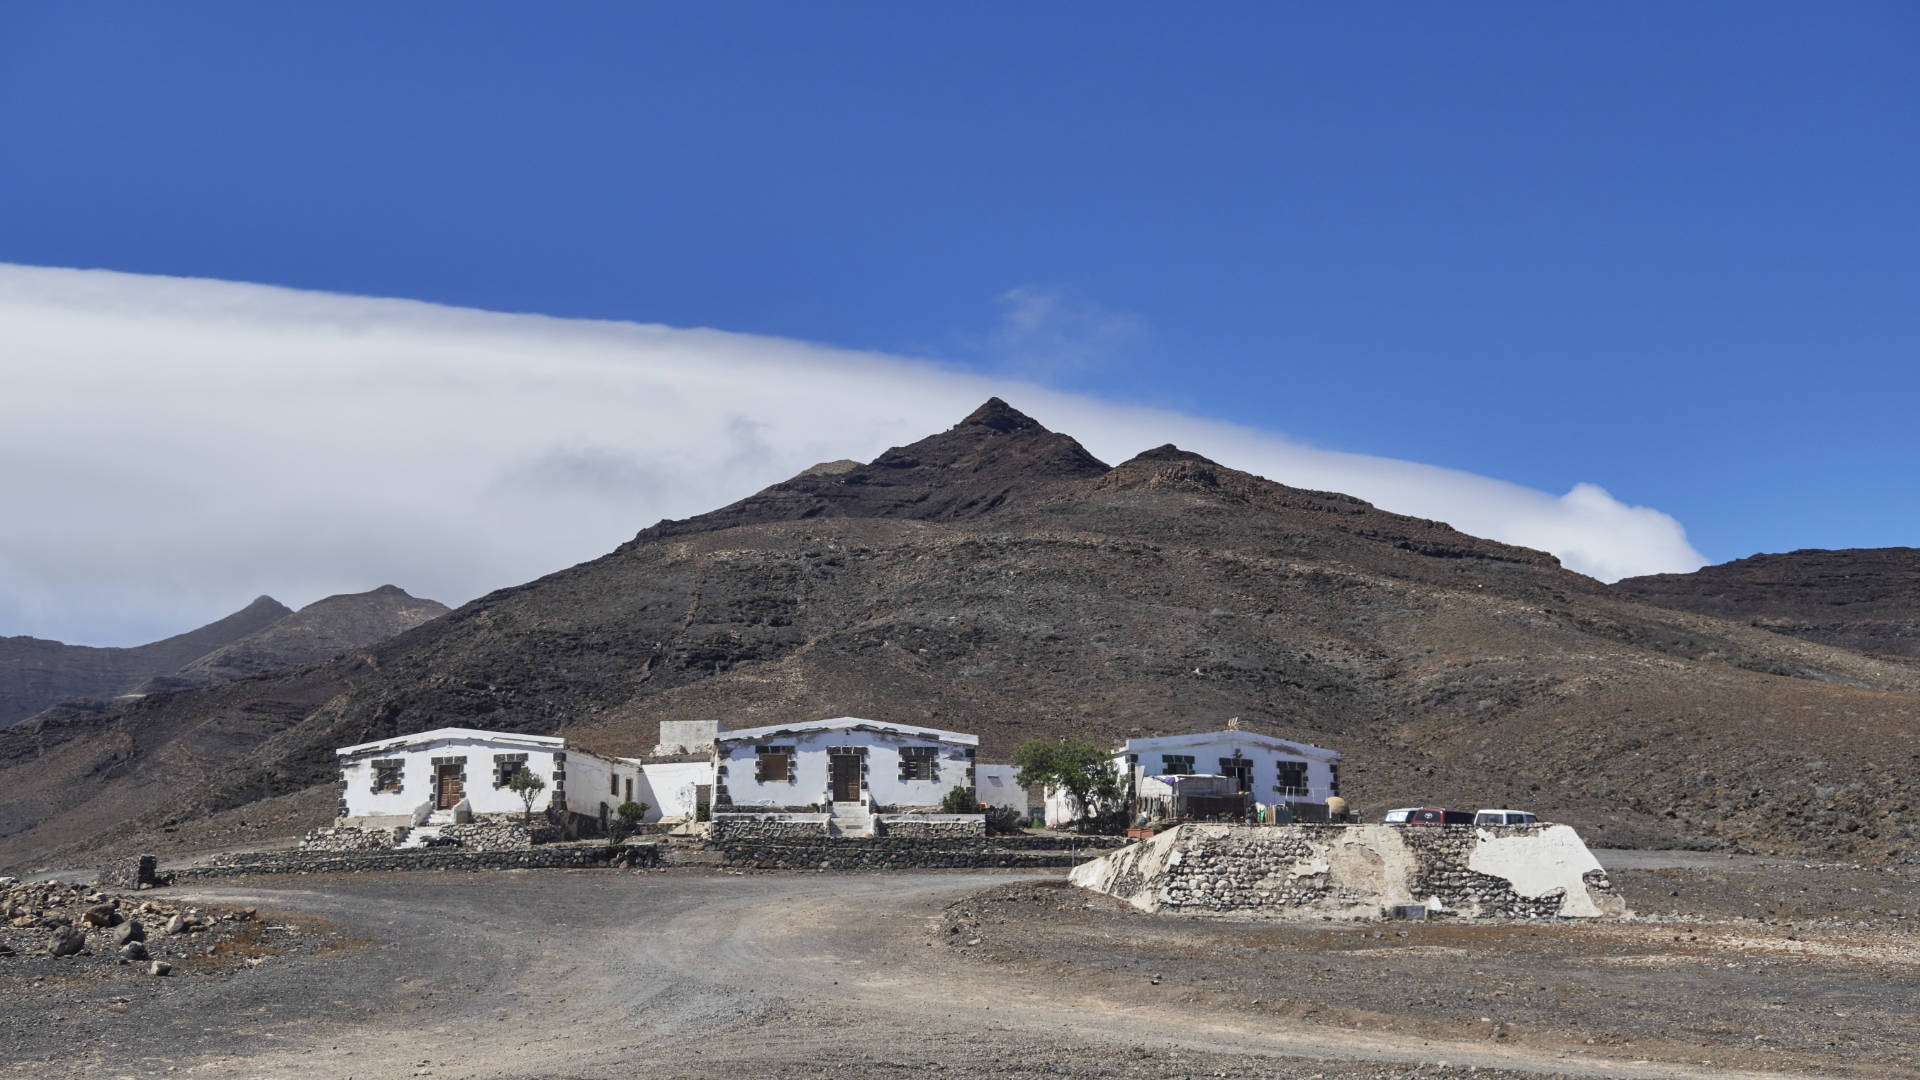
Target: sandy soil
{"x":687,"y":974}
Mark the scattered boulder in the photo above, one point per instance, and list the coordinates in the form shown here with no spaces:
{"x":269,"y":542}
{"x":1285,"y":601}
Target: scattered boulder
{"x":66,"y":941}
{"x":179,"y":924}
{"x":159,"y":967}
{"x":131,"y":930}
{"x":101,"y":915}
{"x":133,"y":952}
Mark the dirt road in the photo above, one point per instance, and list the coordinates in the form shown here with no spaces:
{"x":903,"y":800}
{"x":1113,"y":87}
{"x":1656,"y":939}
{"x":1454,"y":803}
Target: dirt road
{"x":596,"y":974}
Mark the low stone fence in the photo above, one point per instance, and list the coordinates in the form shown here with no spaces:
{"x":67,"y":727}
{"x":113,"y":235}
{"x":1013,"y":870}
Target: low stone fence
{"x":767,"y":828}
{"x":490,"y":833}
{"x":551,"y":856}
{"x":890,"y":853}
{"x":930,"y":826}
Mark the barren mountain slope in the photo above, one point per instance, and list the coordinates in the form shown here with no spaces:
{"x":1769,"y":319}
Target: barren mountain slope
{"x":322,"y":629}
{"x":1163,"y":595}
{"x":1867,"y":599}
{"x":36,"y":673}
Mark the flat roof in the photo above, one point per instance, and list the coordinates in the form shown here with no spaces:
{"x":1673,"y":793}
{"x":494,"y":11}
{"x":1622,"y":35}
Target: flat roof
{"x":398,"y":742}
{"x":849,"y":722}
{"x":1272,"y":742}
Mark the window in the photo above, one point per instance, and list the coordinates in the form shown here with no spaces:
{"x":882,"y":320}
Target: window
{"x":1176,"y":764}
{"x":773,"y":764}
{"x":505,"y":765}
{"x":629,"y":789}
{"x":1292,"y":779}
{"x":919,"y":763}
{"x":613,"y":783}
{"x":1240,"y":769}
{"x":387,"y":774}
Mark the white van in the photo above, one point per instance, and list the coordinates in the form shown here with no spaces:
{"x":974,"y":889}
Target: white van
{"x":1505,"y":817}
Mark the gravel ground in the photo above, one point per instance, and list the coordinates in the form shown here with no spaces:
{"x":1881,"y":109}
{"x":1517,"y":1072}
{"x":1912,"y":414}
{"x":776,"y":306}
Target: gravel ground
{"x":578,"y":974}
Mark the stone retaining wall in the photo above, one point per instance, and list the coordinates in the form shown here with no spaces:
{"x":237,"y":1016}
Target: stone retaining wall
{"x":767,"y":828}
{"x":888,"y":853}
{"x":553,"y":856}
{"x":1358,"y":871}
{"x":931,"y":826}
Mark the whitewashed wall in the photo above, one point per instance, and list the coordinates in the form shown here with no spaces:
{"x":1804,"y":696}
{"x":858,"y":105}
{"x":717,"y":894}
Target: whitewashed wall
{"x":809,"y":785}
{"x":417,"y":778}
{"x":585,"y":776}
{"x":994,"y":786}
{"x":1206,"y":749}
{"x":671,"y":787}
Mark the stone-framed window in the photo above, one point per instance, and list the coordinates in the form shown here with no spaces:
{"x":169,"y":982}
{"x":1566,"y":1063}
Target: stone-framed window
{"x":1292,"y":779}
{"x":1176,"y":764}
{"x":389,"y":774}
{"x":919,"y":763}
{"x":774,"y":764}
{"x":1239,"y":769}
{"x":613,"y":784}
{"x":505,"y":765}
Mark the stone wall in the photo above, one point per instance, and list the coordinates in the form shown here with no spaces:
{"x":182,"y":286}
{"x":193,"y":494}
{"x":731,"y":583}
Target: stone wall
{"x":1358,"y":872}
{"x":561,"y":856}
{"x":931,"y":826}
{"x":343,"y":838}
{"x":890,"y":853}
{"x":767,"y":828}
{"x":492,"y":832}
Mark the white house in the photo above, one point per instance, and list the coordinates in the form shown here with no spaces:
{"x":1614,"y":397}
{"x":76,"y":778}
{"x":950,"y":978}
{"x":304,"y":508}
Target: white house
{"x":448,"y":773}
{"x":1270,"y":771}
{"x":811,"y":764}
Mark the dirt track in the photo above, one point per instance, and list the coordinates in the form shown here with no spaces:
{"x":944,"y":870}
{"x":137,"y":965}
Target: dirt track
{"x":596,"y":974}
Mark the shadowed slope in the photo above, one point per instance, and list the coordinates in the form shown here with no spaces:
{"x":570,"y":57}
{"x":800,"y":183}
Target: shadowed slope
{"x":1860,"y":598}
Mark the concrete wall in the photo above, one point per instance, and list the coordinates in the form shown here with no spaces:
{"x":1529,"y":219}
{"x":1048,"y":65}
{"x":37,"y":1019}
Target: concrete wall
{"x":809,"y":786}
{"x":417,"y":778}
{"x":994,"y":785}
{"x":1358,"y":872}
{"x":686,"y":737}
{"x":671,"y":787}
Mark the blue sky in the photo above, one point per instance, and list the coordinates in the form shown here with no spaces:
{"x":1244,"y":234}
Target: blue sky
{"x":1667,"y":250}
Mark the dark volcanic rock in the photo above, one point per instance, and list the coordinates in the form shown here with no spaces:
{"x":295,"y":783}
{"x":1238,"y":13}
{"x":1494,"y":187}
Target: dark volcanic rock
{"x":1867,"y":599}
{"x":995,"y":578}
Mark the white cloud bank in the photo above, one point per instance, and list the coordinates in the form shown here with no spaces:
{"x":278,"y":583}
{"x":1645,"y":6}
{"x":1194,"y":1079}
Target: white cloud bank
{"x":171,"y":447}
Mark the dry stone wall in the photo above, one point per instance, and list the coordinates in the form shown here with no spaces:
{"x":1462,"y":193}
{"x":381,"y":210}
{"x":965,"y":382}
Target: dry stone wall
{"x":946,"y":826}
{"x":767,"y":828}
{"x":553,"y":856}
{"x":891,"y":853}
{"x":1358,"y":871}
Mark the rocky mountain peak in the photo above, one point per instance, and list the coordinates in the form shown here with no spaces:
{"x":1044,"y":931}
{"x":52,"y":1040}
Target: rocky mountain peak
{"x":1000,"y":416}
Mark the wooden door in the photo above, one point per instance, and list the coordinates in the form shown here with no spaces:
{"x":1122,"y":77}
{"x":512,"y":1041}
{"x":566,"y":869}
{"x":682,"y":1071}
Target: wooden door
{"x":450,"y":787}
{"x":843,"y":771}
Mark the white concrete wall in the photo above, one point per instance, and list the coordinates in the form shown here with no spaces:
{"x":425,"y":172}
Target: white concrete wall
{"x":417,"y":778}
{"x":672,"y":786}
{"x":994,"y":785}
{"x":686,"y":736}
{"x":810,"y":786}
{"x":1207,"y":748}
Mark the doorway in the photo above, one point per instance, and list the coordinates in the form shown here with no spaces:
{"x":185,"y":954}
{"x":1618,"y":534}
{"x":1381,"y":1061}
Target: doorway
{"x":449,"y":785}
{"x":843,"y":774}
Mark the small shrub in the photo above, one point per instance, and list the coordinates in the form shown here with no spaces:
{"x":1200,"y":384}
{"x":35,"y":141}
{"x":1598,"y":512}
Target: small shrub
{"x":959,"y":801}
{"x":1004,"y":820}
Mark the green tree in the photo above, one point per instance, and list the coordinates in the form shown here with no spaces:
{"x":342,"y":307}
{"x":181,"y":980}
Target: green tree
{"x":528,"y":787}
{"x":1079,"y":768}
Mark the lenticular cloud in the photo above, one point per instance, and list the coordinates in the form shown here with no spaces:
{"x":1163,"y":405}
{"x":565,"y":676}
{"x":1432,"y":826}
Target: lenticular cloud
{"x":173,"y":447}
